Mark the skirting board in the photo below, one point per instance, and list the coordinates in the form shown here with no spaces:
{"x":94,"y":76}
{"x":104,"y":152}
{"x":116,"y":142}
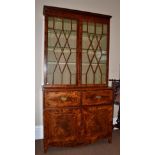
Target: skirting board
{"x":114,"y":122}
{"x":39,"y":130}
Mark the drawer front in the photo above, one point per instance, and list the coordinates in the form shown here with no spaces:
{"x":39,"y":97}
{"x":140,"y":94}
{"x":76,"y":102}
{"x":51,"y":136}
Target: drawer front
{"x":97,"y":97}
{"x":61,"y":99}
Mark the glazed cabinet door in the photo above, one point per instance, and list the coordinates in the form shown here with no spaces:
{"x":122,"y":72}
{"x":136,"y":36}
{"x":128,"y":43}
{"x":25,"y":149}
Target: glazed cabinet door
{"x":97,"y":122}
{"x":94,"y":52}
{"x":60,"y":55}
{"x":62,"y":126}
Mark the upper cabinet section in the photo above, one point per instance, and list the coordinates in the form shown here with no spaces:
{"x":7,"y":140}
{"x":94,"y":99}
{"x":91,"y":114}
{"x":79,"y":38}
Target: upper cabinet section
{"x":76,"y":48}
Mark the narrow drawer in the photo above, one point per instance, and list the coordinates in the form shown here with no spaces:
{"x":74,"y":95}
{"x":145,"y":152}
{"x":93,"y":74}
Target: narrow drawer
{"x":61,"y":99}
{"x":97,"y":97}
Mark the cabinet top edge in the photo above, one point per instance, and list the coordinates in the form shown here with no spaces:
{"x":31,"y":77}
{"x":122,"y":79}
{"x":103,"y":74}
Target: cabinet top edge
{"x":48,"y":9}
{"x":45,"y":87}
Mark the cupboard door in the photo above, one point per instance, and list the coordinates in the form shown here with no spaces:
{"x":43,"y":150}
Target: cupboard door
{"x":94,"y":53}
{"x":97,"y":122}
{"x":62,"y":126}
{"x":61,"y":51}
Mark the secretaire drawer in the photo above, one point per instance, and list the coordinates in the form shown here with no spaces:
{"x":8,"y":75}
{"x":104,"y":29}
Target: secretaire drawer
{"x":97,"y":97}
{"x":61,"y":99}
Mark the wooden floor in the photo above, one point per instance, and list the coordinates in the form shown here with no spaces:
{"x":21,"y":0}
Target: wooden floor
{"x":101,"y":147}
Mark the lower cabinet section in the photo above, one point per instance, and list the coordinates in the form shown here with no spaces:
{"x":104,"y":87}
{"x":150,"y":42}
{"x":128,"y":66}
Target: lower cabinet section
{"x":70,"y":127}
{"x":88,"y":121}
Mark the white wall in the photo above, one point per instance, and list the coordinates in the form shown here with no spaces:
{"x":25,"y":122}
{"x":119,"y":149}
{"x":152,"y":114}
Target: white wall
{"x":109,"y":7}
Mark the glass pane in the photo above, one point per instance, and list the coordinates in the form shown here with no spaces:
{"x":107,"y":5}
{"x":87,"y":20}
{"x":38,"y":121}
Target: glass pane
{"x":104,"y":42}
{"x":90,"y":54}
{"x":90,"y":76}
{"x":72,"y":40}
{"x":98,"y":28}
{"x":91,"y":28}
{"x":50,"y":67}
{"x":52,"y":38}
{"x":103,"y":70}
{"x":57,"y":53}
{"x":67,"y":24}
{"x":85,"y":41}
{"x":95,"y":60}
{"x":98,"y":76}
{"x":98,"y":55}
{"x":103,"y":58}
{"x":67,"y":54}
{"x":74,"y":25}
{"x":58,"y":23}
{"x":72,"y":68}
{"x":85,"y":58}
{"x":50,"y":22}
{"x":85,"y":72}
{"x":62,"y":40}
{"x":51,"y":57}
{"x":94,"y":53}
{"x":57,"y":76}
{"x":72,"y":56}
{"x":95,"y":42}
{"x":105,"y":29}
{"x":84,"y":26}
{"x":66,"y":75}
{"x":61,"y":57}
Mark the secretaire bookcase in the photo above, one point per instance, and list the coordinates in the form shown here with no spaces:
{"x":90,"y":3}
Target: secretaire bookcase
{"x":77,"y":102}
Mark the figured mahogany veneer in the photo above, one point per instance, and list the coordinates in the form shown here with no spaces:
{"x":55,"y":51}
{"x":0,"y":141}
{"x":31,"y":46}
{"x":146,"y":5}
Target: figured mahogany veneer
{"x":97,"y":122}
{"x":77,"y":102}
{"x":77,"y":116}
{"x":97,"y":97}
{"x":62,"y":99}
{"x":62,"y":126}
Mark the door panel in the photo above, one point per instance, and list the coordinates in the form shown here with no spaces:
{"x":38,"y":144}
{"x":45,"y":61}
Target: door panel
{"x":97,"y":121}
{"x":61,"y":57}
{"x":62,"y":125}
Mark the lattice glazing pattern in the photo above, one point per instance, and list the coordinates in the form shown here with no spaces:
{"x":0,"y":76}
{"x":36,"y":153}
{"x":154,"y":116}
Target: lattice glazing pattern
{"x":61,"y":66}
{"x":94,"y":53}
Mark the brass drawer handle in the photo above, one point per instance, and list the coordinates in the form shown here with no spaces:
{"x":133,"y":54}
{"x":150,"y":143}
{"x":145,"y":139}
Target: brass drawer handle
{"x":98,"y":97}
{"x":63,"y":98}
